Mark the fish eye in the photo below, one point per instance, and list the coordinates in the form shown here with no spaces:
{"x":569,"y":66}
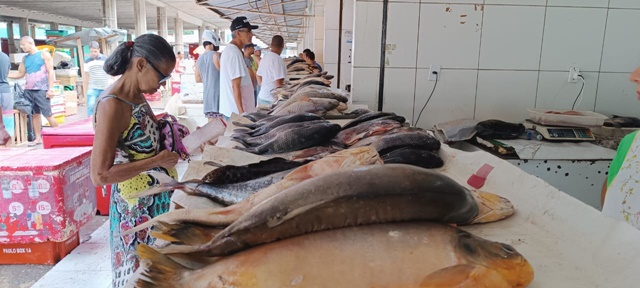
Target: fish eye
{"x":508,"y":249}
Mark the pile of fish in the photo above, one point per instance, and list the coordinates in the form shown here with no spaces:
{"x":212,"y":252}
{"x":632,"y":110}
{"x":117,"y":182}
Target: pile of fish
{"x":357,"y":198}
{"x":297,"y":66}
{"x":322,"y":211}
{"x":276,"y":135}
{"x":307,"y":136}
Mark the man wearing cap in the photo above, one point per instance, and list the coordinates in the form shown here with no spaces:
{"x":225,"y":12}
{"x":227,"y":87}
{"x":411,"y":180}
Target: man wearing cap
{"x":236,"y":88}
{"x":207,"y":72}
{"x":272,"y":71}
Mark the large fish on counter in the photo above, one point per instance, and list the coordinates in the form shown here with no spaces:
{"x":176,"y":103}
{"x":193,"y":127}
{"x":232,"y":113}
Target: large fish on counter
{"x":318,"y":106}
{"x":296,"y":139}
{"x":225,"y":194}
{"x":263,"y":127}
{"x":402,"y":255}
{"x":338,"y":161}
{"x":250,"y":140}
{"x":364,"y":195}
{"x":230,"y":174}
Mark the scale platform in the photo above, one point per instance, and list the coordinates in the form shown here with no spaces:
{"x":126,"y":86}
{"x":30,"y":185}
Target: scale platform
{"x":561,"y":133}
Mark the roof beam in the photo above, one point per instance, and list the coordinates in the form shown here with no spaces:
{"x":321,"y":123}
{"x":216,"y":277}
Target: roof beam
{"x":45,"y":17}
{"x":188,"y":18}
{"x":157,"y":3}
{"x":255,"y":12}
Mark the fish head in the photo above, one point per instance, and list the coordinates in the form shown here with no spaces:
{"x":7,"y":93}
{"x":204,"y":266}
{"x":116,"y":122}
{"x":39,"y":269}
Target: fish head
{"x":492,"y":207}
{"x":503,"y":258}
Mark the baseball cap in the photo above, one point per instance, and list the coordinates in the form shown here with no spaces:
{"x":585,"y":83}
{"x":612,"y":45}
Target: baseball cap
{"x":210,"y":36}
{"x":250,"y":45}
{"x":242,"y":22}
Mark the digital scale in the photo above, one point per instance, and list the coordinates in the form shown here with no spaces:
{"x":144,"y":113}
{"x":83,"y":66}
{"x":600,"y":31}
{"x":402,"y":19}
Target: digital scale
{"x":561,"y":133}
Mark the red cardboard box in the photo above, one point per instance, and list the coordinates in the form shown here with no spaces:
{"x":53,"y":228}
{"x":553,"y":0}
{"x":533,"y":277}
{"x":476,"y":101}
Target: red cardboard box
{"x":80,"y":134}
{"x":46,"y":194}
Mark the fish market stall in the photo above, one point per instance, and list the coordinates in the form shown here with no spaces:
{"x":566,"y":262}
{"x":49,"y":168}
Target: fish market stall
{"x":568,"y":243}
{"x":287,"y":177}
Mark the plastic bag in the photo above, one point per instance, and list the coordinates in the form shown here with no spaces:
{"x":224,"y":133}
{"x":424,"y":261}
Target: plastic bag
{"x":496,"y":129}
{"x":171,"y":135}
{"x":174,"y":106}
{"x":20,"y":102}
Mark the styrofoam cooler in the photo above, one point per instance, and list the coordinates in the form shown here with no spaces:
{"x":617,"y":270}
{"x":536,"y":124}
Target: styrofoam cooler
{"x":47,"y":195}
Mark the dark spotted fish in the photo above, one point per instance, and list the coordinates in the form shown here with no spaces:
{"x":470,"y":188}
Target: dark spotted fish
{"x":256,"y":116}
{"x":366,"y":117}
{"x":297,"y":139}
{"x":231,"y":174}
{"x":225,"y":194}
{"x":366,"y":129}
{"x":412,"y":156}
{"x":396,"y":141}
{"x":248,"y":140}
{"x":266,"y":127}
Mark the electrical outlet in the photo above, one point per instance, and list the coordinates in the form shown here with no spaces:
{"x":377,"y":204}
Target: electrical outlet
{"x":573,"y":74}
{"x":432,"y":69}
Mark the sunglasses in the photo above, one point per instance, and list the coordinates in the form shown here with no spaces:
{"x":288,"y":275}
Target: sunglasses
{"x":163,"y":78}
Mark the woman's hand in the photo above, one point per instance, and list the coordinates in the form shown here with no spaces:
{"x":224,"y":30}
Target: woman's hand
{"x":167,"y":159}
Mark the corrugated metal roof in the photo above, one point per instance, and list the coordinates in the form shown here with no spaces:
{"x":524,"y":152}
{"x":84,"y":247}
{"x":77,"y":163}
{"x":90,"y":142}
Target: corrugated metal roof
{"x":90,"y":12}
{"x":275,"y":17}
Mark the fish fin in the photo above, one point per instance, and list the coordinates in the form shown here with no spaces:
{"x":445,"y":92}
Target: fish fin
{"x":181,"y":249}
{"x":165,"y":237}
{"x":250,"y":126}
{"x":187,"y":233}
{"x":242,"y":131}
{"x":253,"y":150}
{"x":166,"y":183}
{"x":465,"y":276}
{"x":213,"y":163}
{"x":162,"y":271}
{"x":212,"y":217}
{"x":177,"y":206}
{"x":491,"y":207}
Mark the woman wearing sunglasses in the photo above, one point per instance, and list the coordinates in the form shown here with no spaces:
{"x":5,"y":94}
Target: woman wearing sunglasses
{"x":126,"y":144}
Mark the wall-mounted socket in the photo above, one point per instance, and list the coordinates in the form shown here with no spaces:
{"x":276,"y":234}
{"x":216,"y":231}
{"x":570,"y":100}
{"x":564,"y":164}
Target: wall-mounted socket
{"x":573,"y":74}
{"x":434,"y":76}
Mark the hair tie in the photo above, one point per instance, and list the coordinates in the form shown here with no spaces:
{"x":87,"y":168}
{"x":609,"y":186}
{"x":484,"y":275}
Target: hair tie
{"x":129,"y":44}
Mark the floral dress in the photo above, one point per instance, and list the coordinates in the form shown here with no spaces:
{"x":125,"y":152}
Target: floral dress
{"x":139,"y":141}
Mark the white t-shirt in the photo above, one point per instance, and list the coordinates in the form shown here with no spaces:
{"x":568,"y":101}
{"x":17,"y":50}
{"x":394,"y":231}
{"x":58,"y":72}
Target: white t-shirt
{"x":232,"y":66}
{"x":271,"y":69}
{"x":98,"y":79}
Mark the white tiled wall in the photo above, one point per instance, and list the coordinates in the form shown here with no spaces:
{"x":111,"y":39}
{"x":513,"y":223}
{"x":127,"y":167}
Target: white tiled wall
{"x":498,"y":57}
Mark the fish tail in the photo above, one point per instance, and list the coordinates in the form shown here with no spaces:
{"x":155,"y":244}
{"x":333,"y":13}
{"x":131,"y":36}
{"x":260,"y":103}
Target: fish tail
{"x":187,"y":233}
{"x":161,"y":272}
{"x":252,"y":150}
{"x":165,"y":181}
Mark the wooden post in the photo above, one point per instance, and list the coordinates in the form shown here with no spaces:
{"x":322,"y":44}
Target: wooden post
{"x":81,"y":61}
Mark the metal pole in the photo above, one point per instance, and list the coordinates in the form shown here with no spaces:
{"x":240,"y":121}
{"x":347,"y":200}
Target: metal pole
{"x":383,"y":52}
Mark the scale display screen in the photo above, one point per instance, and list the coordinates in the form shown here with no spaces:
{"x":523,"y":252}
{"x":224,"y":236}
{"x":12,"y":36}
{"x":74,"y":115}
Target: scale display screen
{"x":561,"y":133}
{"x":569,"y":133}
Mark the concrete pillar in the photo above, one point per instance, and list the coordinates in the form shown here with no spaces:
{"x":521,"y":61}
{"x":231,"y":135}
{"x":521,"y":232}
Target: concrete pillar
{"x":24,"y":26}
{"x":129,"y":37}
{"x":110,"y":20}
{"x":163,"y":26}
{"x":179,"y":30}
{"x":78,"y":28}
{"x":200,"y":32}
{"x":53,"y":26}
{"x":109,"y":14}
{"x":11,"y":37}
{"x":32,"y":31}
{"x":140,"y":16}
